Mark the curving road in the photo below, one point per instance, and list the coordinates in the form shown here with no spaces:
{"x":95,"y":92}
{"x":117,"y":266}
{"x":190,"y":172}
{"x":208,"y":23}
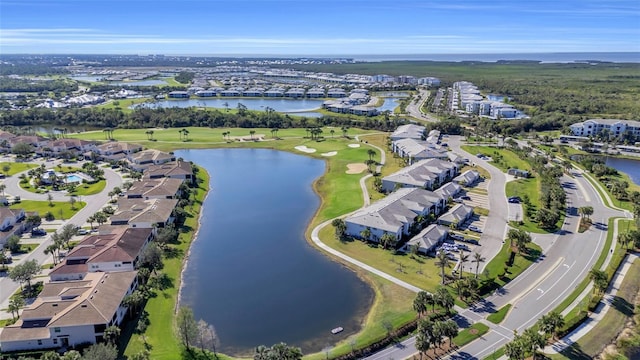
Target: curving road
{"x":413,"y":108}
{"x":93,"y":204}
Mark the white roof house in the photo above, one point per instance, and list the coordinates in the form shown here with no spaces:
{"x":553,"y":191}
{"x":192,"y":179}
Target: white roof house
{"x":448,"y":190}
{"x":417,"y":150}
{"x":467,"y":178}
{"x":428,"y":174}
{"x":616,"y":127}
{"x":456,"y":215}
{"x":395,"y":213}
{"x":409,"y":131}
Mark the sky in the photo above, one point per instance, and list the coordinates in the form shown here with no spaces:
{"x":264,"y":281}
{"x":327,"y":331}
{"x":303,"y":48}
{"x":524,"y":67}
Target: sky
{"x":318,"y":27}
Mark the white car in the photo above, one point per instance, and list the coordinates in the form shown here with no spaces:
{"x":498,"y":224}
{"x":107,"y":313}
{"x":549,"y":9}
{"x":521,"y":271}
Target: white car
{"x":475,"y":228}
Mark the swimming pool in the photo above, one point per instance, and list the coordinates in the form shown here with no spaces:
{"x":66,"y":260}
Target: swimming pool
{"x":73,"y":178}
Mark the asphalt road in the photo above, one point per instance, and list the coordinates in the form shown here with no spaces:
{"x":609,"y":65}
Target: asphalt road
{"x":93,"y":204}
{"x":413,"y":109}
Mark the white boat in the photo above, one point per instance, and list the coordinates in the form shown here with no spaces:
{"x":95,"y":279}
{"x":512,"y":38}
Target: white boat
{"x":337,"y":330}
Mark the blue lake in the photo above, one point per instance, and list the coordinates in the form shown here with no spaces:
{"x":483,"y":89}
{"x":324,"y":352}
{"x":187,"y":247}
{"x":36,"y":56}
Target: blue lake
{"x":280,"y":105}
{"x":251,"y":273}
{"x":630,"y":167}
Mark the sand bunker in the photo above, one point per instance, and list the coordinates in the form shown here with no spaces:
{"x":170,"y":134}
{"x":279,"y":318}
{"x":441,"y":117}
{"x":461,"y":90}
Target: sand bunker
{"x":254,"y":137}
{"x":354,"y":145}
{"x":356,"y":168}
{"x":330,"y":153}
{"x":305,"y":149}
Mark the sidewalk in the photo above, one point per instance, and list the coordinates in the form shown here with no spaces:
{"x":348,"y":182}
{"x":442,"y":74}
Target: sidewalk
{"x":598,"y":314}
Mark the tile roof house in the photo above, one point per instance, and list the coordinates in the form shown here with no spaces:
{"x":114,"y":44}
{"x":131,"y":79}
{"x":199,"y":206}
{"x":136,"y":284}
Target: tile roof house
{"x":118,"y":250}
{"x":76,"y":146}
{"x":428,"y":239}
{"x":163,"y":188}
{"x":394,"y":214}
{"x":69,"y":313}
{"x":114,"y":150}
{"x":175,"y":170}
{"x":143,"y":213}
{"x":428,"y":174}
{"x":141,"y":160}
{"x":457,"y":215}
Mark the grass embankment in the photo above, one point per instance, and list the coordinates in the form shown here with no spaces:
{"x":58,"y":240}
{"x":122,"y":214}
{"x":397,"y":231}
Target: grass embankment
{"x":160,"y":334}
{"x":469,"y":334}
{"x":122,"y":104}
{"x":499,"y":315}
{"x":81,"y":190}
{"x":623,"y":204}
{"x":60,"y":210}
{"x":592,"y":343}
{"x":507,"y":158}
{"x":15,"y":167}
{"x":496,"y":267}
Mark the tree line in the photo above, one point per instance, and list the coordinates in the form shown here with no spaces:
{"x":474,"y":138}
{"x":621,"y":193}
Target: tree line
{"x":10,"y":84}
{"x":182,"y":117}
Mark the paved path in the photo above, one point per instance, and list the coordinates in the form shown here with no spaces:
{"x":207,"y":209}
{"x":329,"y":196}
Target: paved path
{"x":363,"y":180}
{"x":414,"y":108}
{"x":599,"y":313}
{"x":93,"y":204}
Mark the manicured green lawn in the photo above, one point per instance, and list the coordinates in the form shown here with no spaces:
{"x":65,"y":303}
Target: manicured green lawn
{"x":16,"y":167}
{"x":42,"y":207}
{"x":90,"y":189}
{"x":509,"y":158}
{"x":610,"y":325}
{"x":469,"y":334}
{"x":520,"y":264}
{"x":499,"y":315}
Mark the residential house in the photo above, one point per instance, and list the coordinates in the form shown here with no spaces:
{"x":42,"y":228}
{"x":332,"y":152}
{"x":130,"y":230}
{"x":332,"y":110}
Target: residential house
{"x":11,"y":223}
{"x":409,"y":131}
{"x":163,"y":188}
{"x":70,"y":313}
{"x":614,"y":128}
{"x":143,"y":159}
{"x":467,"y":178}
{"x":118,"y":250}
{"x":73,"y":146}
{"x":294,"y":93}
{"x":179,"y":95}
{"x":394,"y":214}
{"x":315,"y":93}
{"x":428,"y":239}
{"x":456,"y":216}
{"x":428,"y":174}
{"x":415,"y":150}
{"x":115,"y":151}
{"x":449,"y":190}
{"x":336,"y":93}
{"x":176,"y":170}
{"x":143,"y":213}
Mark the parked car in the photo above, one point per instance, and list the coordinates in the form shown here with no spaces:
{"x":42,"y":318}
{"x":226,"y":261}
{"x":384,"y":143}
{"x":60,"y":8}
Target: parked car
{"x":515,"y":200}
{"x":465,"y":197}
{"x":457,"y":200}
{"x":474,"y":228}
{"x":38,"y":232}
{"x":456,"y":237}
{"x":472,"y":241}
{"x":82,"y":232}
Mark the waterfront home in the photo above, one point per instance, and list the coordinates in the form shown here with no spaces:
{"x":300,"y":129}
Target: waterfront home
{"x":35,"y":141}
{"x":363,"y":110}
{"x":118,"y":250}
{"x":70,"y":313}
{"x":315,"y":93}
{"x":179,"y":95}
{"x":206,"y":93}
{"x":177,"y":170}
{"x":409,"y":131}
{"x":394,"y":214}
{"x":164,"y":188}
{"x":253,"y":92}
{"x":230,"y":93}
{"x":144,"y":213}
{"x":415,"y":150}
{"x":294,"y":93}
{"x":614,"y":128}
{"x":428,"y":174}
{"x":428,"y":239}
{"x":274,"y":92}
{"x":456,"y":216}
{"x":467,"y":178}
{"x":143,"y":159}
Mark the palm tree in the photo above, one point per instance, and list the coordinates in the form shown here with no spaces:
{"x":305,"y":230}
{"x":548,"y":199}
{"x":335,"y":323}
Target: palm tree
{"x":365,"y":234}
{"x":444,"y":298}
{"x":15,"y":304}
{"x":419,"y":303}
{"x":477,"y":258}
{"x":600,"y":280}
{"x":251,"y":132}
{"x":371,"y":154}
{"x":442,"y":262}
{"x":551,"y":323}
{"x":463,"y":259}
{"x":332,"y":132}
